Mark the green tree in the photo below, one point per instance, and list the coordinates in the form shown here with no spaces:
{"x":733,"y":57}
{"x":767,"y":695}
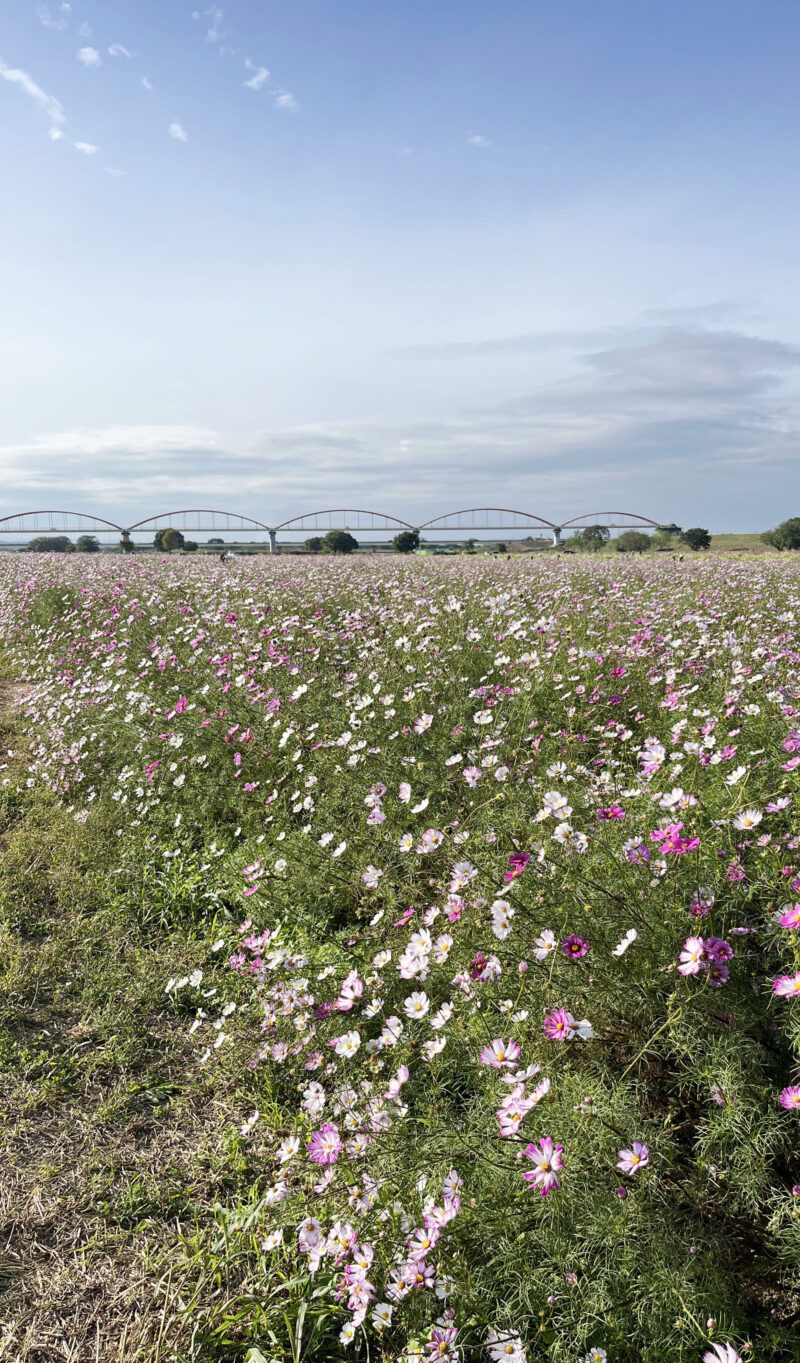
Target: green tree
{"x":406,"y":542}
{"x":51,"y":544}
{"x":339,"y":542}
{"x":787,"y":534}
{"x":167,"y":540}
{"x":696,"y":538}
{"x":87,"y":544}
{"x":632,"y":542}
{"x":593,"y":537}
{"x":126,"y":544}
{"x":313,"y":544}
{"x":190,"y":546}
{"x":501,"y":548}
{"x":663,"y":539}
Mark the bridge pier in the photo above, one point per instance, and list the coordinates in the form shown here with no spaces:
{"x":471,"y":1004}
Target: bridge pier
{"x":273,"y":541}
{"x":556,"y":536}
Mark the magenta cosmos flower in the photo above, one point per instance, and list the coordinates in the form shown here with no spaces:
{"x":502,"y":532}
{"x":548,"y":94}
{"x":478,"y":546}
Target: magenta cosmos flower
{"x":630,"y":1161}
{"x":574,"y":947}
{"x":787,"y":986}
{"x":791,"y":919}
{"x":547,"y":1162}
{"x":790,"y":1098}
{"x":325,"y":1144}
{"x":559,"y":1025}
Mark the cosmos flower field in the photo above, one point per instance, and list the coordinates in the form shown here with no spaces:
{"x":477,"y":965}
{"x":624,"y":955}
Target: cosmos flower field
{"x":479,"y":888}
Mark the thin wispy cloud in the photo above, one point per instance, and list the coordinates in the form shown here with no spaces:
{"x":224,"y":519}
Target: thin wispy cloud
{"x":51,"y":106}
{"x":216,"y":16}
{"x":58,"y":20}
{"x":89,"y":56}
{"x":146,"y":83}
{"x":56,"y":134}
{"x":477,"y":140}
{"x":87,"y":148}
{"x":180,"y":134}
{"x":117,"y":50}
{"x":113,"y":172}
{"x":285,"y":100}
{"x":258,"y":79}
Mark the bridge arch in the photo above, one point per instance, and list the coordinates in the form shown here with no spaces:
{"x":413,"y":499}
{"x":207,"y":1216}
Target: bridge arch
{"x":199,"y":519}
{"x":60,"y":522}
{"x":487,"y":518}
{"x":614,"y":520}
{"x":354,"y":520}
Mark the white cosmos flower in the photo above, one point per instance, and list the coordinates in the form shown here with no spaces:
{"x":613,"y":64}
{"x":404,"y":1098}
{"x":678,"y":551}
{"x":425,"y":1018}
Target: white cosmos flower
{"x":622,"y":947}
{"x":735,"y":775}
{"x":442,"y":1017}
{"x":545,"y":943}
{"x":274,"y":1239}
{"x":348,"y":1043}
{"x":417,"y":1004}
{"x":749,"y":818}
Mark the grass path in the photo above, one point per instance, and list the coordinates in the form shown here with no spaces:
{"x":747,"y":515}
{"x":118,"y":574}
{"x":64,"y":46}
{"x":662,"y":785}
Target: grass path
{"x":106,"y":1146}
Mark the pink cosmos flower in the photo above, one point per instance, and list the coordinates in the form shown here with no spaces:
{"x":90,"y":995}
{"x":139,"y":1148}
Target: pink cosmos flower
{"x":559,"y":1025}
{"x":722,"y":1353}
{"x":692,"y":957}
{"x":787,"y":986}
{"x":472,"y":776}
{"x":325,"y":1144}
{"x":512,"y":1110}
{"x":547,"y":1160}
{"x":791,"y":919}
{"x":370,"y":877}
{"x":790,"y":1098}
{"x":500,"y":1054}
{"x":630,"y":1161}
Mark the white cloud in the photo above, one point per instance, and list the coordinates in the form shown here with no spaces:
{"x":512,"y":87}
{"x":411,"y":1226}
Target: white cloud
{"x":48,"y":20}
{"x":117,"y":50}
{"x":476,"y":140}
{"x":285,"y":100}
{"x":111,"y":170}
{"x":146,"y":83}
{"x":89,"y":56}
{"x":180,"y":134}
{"x":216,"y":16}
{"x":51,"y":106}
{"x":56,"y":134}
{"x":260,"y":78}
{"x":86,"y":147}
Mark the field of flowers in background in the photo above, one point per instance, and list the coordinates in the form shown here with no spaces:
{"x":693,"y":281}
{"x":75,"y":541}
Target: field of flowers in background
{"x":402,"y":960}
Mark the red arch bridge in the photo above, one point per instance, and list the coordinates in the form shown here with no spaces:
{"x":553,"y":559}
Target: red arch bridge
{"x":480,"y":519}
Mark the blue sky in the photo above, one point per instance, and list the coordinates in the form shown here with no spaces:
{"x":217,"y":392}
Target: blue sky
{"x":279,"y":256}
